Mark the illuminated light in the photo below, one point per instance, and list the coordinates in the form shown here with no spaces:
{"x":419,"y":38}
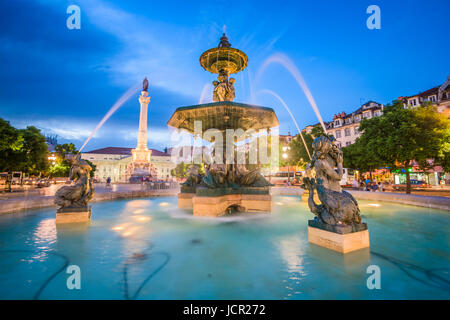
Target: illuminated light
{"x":143,"y":218}
{"x":163,"y":204}
{"x":138,"y":211}
{"x":126,"y":234}
{"x":139,"y":203}
{"x":279,"y":203}
{"x":374,"y":205}
{"x":117,"y":228}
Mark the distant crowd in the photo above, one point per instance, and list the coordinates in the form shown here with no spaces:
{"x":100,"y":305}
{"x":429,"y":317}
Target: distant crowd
{"x":368,"y":185}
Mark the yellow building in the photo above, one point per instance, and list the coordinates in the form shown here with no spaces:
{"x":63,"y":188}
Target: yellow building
{"x":116,"y":162}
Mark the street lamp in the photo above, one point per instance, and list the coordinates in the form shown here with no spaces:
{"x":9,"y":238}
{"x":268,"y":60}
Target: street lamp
{"x":286,"y":148}
{"x":52,"y":158}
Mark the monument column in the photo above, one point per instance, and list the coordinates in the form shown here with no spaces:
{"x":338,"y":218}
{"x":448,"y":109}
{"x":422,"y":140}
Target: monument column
{"x":141,"y":166}
{"x":144,"y":100}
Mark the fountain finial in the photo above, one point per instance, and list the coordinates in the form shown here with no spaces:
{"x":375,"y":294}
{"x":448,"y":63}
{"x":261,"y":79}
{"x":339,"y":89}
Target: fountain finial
{"x":224,"y":42}
{"x":145,"y":84}
{"x":223,"y":60}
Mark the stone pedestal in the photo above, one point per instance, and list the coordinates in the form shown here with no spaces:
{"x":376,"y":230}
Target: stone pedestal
{"x":185,"y":200}
{"x":218,"y":206}
{"x":73,"y":215}
{"x":342,"y":239}
{"x":216,"y":202}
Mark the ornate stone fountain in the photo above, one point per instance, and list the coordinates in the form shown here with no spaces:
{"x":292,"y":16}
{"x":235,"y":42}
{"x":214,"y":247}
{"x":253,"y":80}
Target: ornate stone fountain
{"x":337,"y":224}
{"x":226,"y":185}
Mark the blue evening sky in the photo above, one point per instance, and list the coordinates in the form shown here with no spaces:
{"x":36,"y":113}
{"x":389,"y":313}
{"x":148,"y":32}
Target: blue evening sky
{"x":64,"y":81}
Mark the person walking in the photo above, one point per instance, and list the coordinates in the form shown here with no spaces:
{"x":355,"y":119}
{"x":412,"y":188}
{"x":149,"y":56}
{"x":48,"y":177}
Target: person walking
{"x":374,"y":187}
{"x":367,"y":182}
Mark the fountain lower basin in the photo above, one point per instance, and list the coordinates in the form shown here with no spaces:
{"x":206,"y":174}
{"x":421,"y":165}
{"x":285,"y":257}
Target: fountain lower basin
{"x":243,"y":256}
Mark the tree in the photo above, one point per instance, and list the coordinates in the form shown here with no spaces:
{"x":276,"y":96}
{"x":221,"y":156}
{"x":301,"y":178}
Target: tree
{"x":22,"y":149}
{"x":400,"y":136}
{"x":180,"y":170}
{"x":361,"y":155}
{"x":34,"y":153}
{"x":93,"y":166}
{"x":317,"y":131}
{"x":64,"y":149}
{"x":298,"y":155}
{"x":435,"y":134}
{"x":62,"y":166}
{"x":11,"y":142}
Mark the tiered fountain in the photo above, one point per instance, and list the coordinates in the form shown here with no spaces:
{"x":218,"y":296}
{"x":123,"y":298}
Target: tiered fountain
{"x":226,"y":184}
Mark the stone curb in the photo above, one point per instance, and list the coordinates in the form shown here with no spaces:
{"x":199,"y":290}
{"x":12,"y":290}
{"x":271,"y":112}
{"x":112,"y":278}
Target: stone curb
{"x":434,"y":202}
{"x":38,"y":202}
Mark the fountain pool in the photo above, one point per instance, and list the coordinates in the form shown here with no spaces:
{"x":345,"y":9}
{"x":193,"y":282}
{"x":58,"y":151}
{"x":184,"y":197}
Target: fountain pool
{"x":150,"y":249}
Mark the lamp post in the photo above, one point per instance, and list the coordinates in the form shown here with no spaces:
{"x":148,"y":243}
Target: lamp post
{"x":285,"y":156}
{"x":52,"y":159}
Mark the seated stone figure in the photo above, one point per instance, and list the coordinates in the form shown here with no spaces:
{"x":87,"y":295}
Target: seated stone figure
{"x":82,"y":190}
{"x":216,"y":176}
{"x":223,"y":89}
{"x":194,"y":178}
{"x":250,"y":178}
{"x":337,"y":206}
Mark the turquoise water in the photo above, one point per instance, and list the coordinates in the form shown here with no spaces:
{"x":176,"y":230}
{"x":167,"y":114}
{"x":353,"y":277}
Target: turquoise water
{"x":149,"y":249}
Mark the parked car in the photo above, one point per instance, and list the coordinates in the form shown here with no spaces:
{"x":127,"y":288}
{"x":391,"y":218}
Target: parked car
{"x":3,"y":178}
{"x":414,"y":184}
{"x":16,"y":177}
{"x":43,"y":183}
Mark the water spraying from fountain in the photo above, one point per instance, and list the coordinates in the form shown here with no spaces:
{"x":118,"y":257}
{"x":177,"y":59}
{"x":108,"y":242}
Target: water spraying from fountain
{"x":290,"y":66}
{"x":204,"y":95}
{"x":290,"y":113}
{"x":124,"y":98}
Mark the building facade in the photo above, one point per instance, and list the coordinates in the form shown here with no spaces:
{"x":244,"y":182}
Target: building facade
{"x":116,"y":163}
{"x":345,"y":127}
{"x":438,"y":96}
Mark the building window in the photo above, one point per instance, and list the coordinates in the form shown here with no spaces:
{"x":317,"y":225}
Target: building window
{"x":432,"y":98}
{"x":348,"y":143}
{"x":347,"y":121}
{"x":338,"y":144}
{"x":376,"y":113}
{"x":347,"y":132}
{"x":358,"y":118}
{"x":366,"y":115}
{"x":338,"y":134}
{"x":337,"y":123}
{"x":356,"y":130}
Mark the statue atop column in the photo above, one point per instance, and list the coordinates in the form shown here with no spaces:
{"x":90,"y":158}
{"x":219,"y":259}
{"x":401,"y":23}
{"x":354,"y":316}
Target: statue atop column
{"x":145,"y":85}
